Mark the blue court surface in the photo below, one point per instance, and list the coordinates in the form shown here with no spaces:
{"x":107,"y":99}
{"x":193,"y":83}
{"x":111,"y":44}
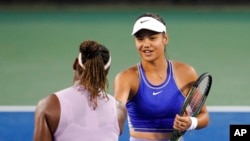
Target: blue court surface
{"x":17,"y":123}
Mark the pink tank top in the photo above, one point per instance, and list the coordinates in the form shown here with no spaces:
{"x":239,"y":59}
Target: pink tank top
{"x":79,"y":122}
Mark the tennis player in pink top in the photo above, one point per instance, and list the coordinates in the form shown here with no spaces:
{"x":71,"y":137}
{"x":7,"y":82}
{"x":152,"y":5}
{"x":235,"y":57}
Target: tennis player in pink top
{"x":83,"y":111}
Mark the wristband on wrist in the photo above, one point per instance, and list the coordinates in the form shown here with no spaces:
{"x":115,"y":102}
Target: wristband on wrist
{"x":194,"y":123}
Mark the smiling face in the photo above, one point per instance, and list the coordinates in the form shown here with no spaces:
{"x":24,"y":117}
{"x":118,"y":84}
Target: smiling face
{"x":150,"y":44}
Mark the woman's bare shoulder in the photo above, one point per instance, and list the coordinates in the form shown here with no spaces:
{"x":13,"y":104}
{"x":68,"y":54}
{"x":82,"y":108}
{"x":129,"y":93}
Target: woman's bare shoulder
{"x":185,"y":75}
{"x":47,"y":112}
{"x":128,"y":73}
{"x":184,"y":69}
{"x":45,"y":104}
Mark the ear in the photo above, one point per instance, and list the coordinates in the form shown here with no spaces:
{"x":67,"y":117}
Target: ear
{"x":75,"y":64}
{"x":165,"y":39}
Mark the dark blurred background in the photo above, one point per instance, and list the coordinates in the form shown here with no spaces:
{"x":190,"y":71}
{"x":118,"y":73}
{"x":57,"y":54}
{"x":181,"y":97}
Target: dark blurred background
{"x":142,"y":2}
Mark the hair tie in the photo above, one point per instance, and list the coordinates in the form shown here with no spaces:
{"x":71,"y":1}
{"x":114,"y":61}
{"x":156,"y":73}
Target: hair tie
{"x":108,"y":63}
{"x":81,"y":64}
{"x":80,"y":60}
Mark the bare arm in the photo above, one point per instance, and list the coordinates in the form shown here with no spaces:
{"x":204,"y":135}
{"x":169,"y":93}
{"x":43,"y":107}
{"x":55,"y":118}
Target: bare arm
{"x":47,"y":116}
{"x":121,"y":93}
{"x":121,"y":88}
{"x":124,"y":88}
{"x":121,"y":114}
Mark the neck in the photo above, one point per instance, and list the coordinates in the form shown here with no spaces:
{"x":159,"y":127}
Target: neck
{"x":155,"y":66}
{"x":157,"y":70}
{"x":76,"y":82}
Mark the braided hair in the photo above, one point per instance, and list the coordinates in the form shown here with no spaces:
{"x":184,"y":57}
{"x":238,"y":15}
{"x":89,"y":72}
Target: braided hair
{"x":93,"y":65}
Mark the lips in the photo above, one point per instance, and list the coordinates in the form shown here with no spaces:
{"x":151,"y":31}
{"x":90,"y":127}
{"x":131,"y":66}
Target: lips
{"x":147,"y":52}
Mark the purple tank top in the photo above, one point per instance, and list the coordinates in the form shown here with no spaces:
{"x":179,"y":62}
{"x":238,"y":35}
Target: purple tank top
{"x":78,"y":120}
{"x":154,"y":107}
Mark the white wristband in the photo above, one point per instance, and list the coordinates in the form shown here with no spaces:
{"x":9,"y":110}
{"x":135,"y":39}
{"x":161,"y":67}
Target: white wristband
{"x":194,"y":123}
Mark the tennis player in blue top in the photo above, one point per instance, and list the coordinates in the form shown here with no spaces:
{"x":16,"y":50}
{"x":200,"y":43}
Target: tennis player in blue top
{"x":154,"y":89}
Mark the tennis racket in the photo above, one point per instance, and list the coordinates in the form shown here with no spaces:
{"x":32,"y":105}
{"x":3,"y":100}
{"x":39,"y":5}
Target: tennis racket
{"x":194,"y":100}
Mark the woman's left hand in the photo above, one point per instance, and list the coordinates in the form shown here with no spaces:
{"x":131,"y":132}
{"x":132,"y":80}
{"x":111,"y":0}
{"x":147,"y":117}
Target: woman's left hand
{"x":182,"y":123}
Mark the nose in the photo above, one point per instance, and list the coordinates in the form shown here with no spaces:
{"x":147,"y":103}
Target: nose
{"x":146,"y":43}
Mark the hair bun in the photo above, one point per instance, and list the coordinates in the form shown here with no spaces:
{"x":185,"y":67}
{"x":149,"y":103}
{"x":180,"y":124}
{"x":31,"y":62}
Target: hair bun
{"x":89,"y":49}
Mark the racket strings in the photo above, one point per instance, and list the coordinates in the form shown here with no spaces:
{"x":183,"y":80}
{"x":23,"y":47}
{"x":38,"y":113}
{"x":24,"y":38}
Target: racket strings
{"x":198,"y":97}
{"x":195,"y":102}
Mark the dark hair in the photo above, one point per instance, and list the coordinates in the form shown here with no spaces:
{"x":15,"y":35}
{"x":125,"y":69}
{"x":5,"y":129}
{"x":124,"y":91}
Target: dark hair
{"x":93,"y":76}
{"x":152,"y":15}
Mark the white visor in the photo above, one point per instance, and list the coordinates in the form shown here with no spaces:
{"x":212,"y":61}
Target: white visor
{"x":150,"y":24}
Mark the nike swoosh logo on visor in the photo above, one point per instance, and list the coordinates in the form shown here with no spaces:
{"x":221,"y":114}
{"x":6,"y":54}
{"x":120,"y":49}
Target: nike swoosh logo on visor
{"x":144,"y":21}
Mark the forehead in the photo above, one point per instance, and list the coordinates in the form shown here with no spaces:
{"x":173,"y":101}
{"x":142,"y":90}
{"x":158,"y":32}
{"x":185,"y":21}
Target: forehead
{"x":145,"y":32}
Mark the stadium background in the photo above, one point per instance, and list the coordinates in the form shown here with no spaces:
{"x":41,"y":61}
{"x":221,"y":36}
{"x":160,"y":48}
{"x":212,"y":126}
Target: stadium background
{"x":39,"y":41}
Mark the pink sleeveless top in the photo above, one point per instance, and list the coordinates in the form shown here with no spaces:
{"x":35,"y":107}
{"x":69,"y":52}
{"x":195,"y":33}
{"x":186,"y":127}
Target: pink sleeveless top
{"x":79,"y":122}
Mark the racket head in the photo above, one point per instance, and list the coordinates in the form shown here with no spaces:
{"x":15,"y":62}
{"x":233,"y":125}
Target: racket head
{"x":197,"y":94}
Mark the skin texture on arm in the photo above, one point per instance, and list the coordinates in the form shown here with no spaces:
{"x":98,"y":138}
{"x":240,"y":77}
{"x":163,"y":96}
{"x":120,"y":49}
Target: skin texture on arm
{"x":121,"y":114}
{"x":185,"y":76}
{"x":47,"y":116}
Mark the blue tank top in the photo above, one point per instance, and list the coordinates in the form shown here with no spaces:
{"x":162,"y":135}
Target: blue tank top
{"x":154,"y":107}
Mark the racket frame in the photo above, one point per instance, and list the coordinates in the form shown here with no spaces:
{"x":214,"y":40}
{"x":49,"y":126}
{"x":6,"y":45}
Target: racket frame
{"x":176,"y":135}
